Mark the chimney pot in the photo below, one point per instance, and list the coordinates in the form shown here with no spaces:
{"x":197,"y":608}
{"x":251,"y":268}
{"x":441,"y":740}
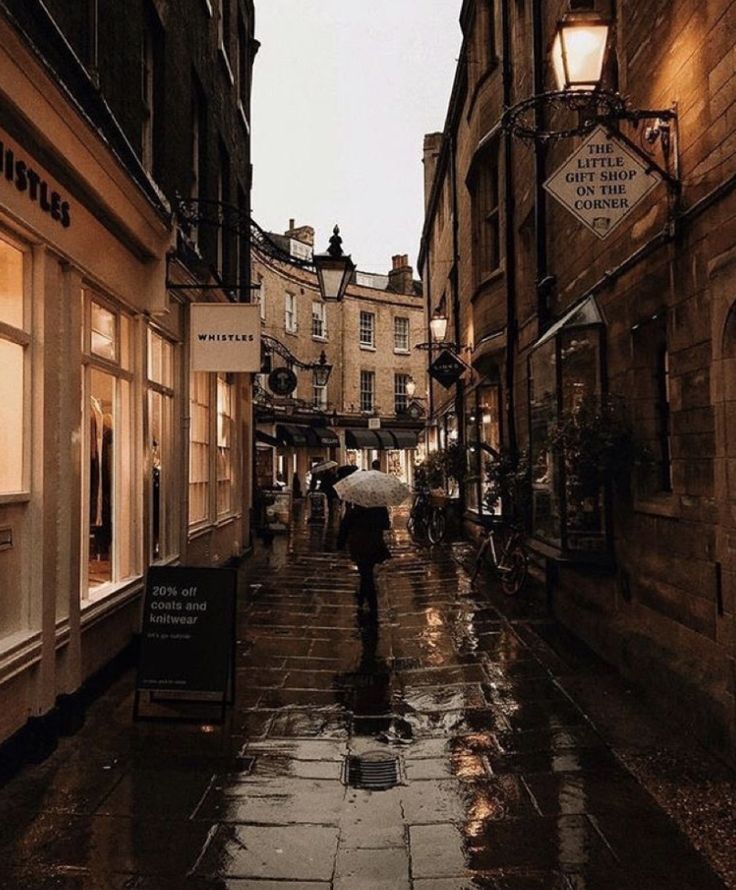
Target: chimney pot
{"x":291,"y":223}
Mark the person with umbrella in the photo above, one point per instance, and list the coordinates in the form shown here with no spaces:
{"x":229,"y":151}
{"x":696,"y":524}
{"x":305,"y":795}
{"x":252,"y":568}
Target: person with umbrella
{"x":370,"y":493}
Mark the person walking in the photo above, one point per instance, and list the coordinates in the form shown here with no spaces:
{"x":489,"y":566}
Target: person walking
{"x":361,"y":530}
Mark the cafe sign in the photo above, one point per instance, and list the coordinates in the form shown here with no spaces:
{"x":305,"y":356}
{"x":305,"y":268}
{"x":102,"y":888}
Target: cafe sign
{"x":225,"y":337}
{"x":602,"y":182}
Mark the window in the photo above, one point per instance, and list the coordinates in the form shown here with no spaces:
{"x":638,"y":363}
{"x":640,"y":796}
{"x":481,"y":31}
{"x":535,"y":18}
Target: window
{"x":262,"y":296}
{"x":565,"y":372}
{"x":486,"y":220}
{"x":199,"y":448}
{"x":319,"y":398}
{"x":319,"y":321}
{"x":651,"y":398}
{"x":162,"y":496}
{"x":367,"y":390}
{"x":401,"y":335}
{"x":290,"y":319}
{"x":483,"y":434}
{"x":225,"y":443}
{"x":368,"y":329}
{"x":401,"y":399}
{"x":14,"y":343}
{"x":111,"y":490}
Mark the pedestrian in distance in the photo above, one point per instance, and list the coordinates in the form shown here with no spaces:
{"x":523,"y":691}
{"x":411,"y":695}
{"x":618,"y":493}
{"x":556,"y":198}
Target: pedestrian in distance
{"x":376,"y":464}
{"x":361,"y":530}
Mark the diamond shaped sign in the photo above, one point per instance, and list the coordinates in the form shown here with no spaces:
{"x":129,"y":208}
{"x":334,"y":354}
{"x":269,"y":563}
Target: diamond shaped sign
{"x":601,"y":182}
{"x":446,"y":369}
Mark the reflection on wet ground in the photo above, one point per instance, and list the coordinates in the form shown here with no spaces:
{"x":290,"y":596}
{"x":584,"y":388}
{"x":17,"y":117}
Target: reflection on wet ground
{"x":506,"y":782}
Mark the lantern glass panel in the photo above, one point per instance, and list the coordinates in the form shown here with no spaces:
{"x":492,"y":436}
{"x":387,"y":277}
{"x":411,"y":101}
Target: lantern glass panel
{"x":578,"y":54}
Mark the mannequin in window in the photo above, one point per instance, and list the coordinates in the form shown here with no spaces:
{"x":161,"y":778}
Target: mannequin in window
{"x":156,"y":496}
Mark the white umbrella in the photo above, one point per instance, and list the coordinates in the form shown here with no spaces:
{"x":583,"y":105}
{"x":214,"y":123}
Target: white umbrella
{"x":324,"y":465}
{"x":372,"y":488}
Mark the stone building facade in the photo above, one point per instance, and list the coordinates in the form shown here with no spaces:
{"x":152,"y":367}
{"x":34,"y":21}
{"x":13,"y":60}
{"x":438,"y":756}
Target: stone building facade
{"x":98,"y":267}
{"x":546,"y":315}
{"x":369,"y":340}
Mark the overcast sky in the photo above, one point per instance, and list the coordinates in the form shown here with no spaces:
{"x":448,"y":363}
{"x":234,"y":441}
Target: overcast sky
{"x":343,"y":93}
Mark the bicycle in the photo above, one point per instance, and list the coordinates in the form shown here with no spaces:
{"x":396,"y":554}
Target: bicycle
{"x":426,"y":520}
{"x":512,"y":566}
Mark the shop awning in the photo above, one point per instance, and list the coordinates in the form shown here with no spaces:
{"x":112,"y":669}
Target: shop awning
{"x":582,"y":314}
{"x":404,"y":438}
{"x":290,"y":434}
{"x":385,"y":438}
{"x":266,"y":439}
{"x":320,"y":436}
{"x":361,"y":438}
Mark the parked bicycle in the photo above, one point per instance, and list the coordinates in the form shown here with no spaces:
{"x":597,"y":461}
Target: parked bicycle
{"x":502,"y":554}
{"x":428,"y":518}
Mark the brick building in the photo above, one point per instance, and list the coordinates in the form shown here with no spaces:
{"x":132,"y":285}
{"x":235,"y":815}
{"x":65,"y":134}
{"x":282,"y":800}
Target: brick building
{"x":546,"y":314}
{"x":110,"y":113}
{"x":368,"y":338}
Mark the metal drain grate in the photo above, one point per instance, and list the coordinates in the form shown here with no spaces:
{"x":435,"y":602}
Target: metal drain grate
{"x":374,"y":770}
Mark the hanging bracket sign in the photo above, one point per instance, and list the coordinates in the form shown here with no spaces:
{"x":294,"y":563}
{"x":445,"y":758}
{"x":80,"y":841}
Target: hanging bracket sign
{"x":602,"y":182}
{"x":225,"y":337}
{"x":446,"y":369}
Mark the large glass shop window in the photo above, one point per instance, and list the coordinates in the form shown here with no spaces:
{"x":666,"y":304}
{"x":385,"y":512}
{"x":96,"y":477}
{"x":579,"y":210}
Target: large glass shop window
{"x":111,"y":499}
{"x":483,"y":432}
{"x":160,"y":446}
{"x":565,"y":371}
{"x":225,"y":441}
{"x":14,"y":342}
{"x":199,"y":448}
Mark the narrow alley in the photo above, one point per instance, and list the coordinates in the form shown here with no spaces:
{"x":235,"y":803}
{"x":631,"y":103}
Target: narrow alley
{"x":498,"y":777}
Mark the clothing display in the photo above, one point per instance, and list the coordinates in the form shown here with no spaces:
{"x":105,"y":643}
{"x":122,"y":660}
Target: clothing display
{"x":100,"y":489}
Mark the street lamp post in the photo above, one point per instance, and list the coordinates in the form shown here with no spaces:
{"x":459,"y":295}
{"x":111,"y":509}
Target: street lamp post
{"x":334,"y":269}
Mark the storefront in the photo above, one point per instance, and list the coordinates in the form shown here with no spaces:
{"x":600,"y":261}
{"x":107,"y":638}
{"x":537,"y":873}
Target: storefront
{"x":395,"y":449}
{"x":97,"y":407}
{"x":483,"y":441}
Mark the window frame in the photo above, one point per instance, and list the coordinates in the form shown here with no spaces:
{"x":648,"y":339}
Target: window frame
{"x":168,"y":518}
{"x":290,"y":312}
{"x":364,"y":316}
{"x":402,"y":350}
{"x":321,"y":317}
{"x":401,"y":397}
{"x":367,"y":375}
{"x":485,"y":184}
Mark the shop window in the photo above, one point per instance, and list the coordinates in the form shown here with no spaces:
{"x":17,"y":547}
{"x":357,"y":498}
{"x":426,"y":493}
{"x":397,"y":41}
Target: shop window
{"x":162,"y":495}
{"x":367,"y":332}
{"x":290,"y":319}
{"x":367,"y":390}
{"x":319,"y":321}
{"x":651,"y":400}
{"x":225,"y":445}
{"x":14,"y":342}
{"x":401,"y":400}
{"x":111,"y":502}
{"x":401,"y":335}
{"x":199,"y":448}
{"x":486,"y":216}
{"x":483,"y":438}
{"x":565,"y":369}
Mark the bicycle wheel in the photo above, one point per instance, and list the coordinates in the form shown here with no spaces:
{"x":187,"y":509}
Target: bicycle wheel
{"x":513,"y":574}
{"x":437,"y":525}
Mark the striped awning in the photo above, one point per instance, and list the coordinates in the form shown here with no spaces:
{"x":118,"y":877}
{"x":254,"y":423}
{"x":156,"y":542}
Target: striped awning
{"x":266,"y":438}
{"x":290,"y":434}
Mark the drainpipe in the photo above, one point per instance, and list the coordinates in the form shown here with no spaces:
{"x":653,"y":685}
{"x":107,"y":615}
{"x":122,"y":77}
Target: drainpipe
{"x":540,"y":170}
{"x":459,"y":386}
{"x":510,"y":232}
{"x":428,"y":300}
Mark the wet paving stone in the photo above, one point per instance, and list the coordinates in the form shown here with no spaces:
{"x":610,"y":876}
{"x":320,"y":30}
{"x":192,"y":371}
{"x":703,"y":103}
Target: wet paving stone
{"x":505,"y":783}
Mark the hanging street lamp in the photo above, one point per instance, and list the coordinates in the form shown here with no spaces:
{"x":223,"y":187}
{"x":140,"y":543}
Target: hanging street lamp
{"x":334,"y":269}
{"x":321,"y":371}
{"x":411,"y":387}
{"x":438,"y":326}
{"x":579,"y":51}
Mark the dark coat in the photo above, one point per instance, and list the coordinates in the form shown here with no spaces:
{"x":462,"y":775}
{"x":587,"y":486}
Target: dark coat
{"x":362,"y":530}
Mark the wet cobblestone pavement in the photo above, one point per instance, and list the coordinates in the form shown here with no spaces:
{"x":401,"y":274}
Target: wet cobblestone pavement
{"x":504,"y":781}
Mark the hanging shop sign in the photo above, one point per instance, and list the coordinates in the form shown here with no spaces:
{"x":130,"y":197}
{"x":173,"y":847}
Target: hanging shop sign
{"x":188,"y":633}
{"x":282,"y":381}
{"x":20,"y":173}
{"x":602,"y":182}
{"x":225,"y":337}
{"x":446,"y":369}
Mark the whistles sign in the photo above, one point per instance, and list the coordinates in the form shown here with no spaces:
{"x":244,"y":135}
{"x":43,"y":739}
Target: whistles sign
{"x":17,"y":171}
{"x":225,"y":337}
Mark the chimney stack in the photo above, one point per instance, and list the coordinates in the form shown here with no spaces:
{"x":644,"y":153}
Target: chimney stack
{"x":401,"y":276}
{"x":303,"y":234}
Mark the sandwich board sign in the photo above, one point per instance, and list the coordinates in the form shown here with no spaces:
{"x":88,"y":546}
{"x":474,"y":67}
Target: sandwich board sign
{"x":602,"y":182}
{"x":187,"y":647}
